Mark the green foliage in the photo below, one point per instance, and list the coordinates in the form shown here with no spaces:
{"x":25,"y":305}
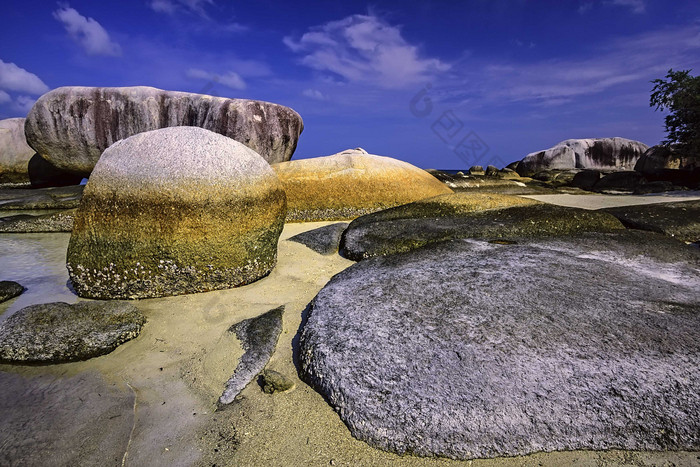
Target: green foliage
{"x":679,"y":93}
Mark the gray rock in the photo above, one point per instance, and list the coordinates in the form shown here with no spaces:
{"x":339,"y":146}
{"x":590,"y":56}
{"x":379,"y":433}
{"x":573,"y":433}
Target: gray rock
{"x":602,"y":153}
{"x":67,"y":197}
{"x":680,"y":220}
{"x":258,"y":338}
{"x":273,"y":381}
{"x":413,"y":226}
{"x":324,"y":240}
{"x":173,"y":211}
{"x":476,"y":170}
{"x":72,"y":126}
{"x":662,"y":157}
{"x":59,"y":332}
{"x":14,"y":151}
{"x":586,"y":179}
{"x":9,"y":289}
{"x":625,"y":181}
{"x":492,"y":171}
{"x":61,"y":221}
{"x":468,"y":349}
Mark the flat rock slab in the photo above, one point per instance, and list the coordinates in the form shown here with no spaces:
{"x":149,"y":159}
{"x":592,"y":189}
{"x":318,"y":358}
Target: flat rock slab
{"x":9,"y":289}
{"x":324,"y":240}
{"x":467,"y":349}
{"x":680,"y":220}
{"x":46,"y":420}
{"x":65,"y":197}
{"x":61,"y":221}
{"x":59,"y":332}
{"x":258,"y":338}
{"x":412,"y":226}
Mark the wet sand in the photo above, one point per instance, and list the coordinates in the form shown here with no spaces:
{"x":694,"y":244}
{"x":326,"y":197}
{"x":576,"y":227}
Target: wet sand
{"x":152,"y":401}
{"x":599,"y":201}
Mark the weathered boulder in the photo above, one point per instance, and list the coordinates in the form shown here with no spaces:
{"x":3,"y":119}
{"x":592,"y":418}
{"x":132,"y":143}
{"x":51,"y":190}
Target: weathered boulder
{"x":273,"y":381}
{"x":664,"y":157}
{"x":601,"y":153}
{"x":468,"y":349}
{"x":461,"y":215}
{"x":59,"y":332}
{"x":258,"y":337}
{"x":625,"y":181}
{"x":352,"y":183}
{"x":476,"y":170}
{"x":72,"y":126}
{"x":680,"y":220}
{"x":324,"y":240}
{"x":173,"y":211}
{"x":14,"y":151}
{"x":9,"y":289}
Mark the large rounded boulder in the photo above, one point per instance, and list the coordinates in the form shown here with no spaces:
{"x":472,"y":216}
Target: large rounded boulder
{"x":600,"y":153}
{"x":352,"y":183}
{"x":173,"y":211}
{"x":72,"y":126}
{"x":14,"y":151}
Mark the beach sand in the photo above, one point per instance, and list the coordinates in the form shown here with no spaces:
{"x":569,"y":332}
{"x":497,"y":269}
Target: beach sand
{"x":156,"y":395}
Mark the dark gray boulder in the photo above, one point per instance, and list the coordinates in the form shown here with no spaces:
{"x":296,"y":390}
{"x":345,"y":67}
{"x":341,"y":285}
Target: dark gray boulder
{"x":415,"y":225}
{"x":61,"y":221}
{"x":9,"y":290}
{"x":258,"y":338}
{"x":324,"y":240}
{"x":43,"y":173}
{"x":71,"y":126}
{"x":680,"y":220}
{"x":59,"y":332}
{"x":468,"y":349}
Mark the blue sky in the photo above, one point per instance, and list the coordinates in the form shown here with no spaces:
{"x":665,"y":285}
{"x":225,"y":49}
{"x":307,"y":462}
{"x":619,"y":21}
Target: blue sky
{"x":440,"y":84}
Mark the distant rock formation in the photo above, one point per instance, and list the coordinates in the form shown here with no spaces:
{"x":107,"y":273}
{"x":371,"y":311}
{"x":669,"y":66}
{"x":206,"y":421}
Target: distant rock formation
{"x":14,"y":151}
{"x":602,"y":154}
{"x":72,"y":126}
{"x":351,"y":183}
{"x":661,"y":157}
{"x":173,"y":211}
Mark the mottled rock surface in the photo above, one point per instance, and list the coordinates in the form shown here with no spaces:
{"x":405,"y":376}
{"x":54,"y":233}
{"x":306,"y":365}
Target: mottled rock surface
{"x":680,"y":220}
{"x":61,"y":221}
{"x":324,"y":240}
{"x":663,"y":157}
{"x":351,"y":183}
{"x":66,"y":197}
{"x":14,"y":151}
{"x":273,"y":381}
{"x":258,"y":338}
{"x":59,"y":332}
{"x":601,"y":153}
{"x":174,"y":211}
{"x":10,"y":289}
{"x":71,"y":126}
{"x":468,"y":349}
{"x":463,"y":215}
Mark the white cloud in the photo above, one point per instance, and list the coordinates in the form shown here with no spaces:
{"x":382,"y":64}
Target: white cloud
{"x":4,"y":97}
{"x":172,"y":6}
{"x":231,"y":79}
{"x":24,"y":103}
{"x":637,"y":6}
{"x":14,"y":78}
{"x":364,"y":48}
{"x":87,"y":32}
{"x":584,"y":7}
{"x":314,"y":94}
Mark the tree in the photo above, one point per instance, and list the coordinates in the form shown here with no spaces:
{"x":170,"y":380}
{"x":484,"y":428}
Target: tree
{"x":680,"y":95}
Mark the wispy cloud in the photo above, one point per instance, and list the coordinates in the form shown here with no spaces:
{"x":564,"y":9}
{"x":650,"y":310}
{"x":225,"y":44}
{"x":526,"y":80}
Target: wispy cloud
{"x":637,"y":6}
{"x":4,"y":97}
{"x":14,"y":78}
{"x":87,"y":32}
{"x":230,"y":79}
{"x":172,"y":6}
{"x":24,"y":104}
{"x":364,"y":48}
{"x":314,"y":94}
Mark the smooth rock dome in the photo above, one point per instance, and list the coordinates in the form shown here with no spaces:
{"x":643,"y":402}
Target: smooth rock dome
{"x":71,"y":126}
{"x":352,"y":183}
{"x":172,"y":211}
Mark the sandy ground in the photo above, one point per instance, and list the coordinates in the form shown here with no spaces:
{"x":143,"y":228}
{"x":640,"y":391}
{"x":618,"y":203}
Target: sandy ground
{"x":152,"y":401}
{"x":599,"y":201}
